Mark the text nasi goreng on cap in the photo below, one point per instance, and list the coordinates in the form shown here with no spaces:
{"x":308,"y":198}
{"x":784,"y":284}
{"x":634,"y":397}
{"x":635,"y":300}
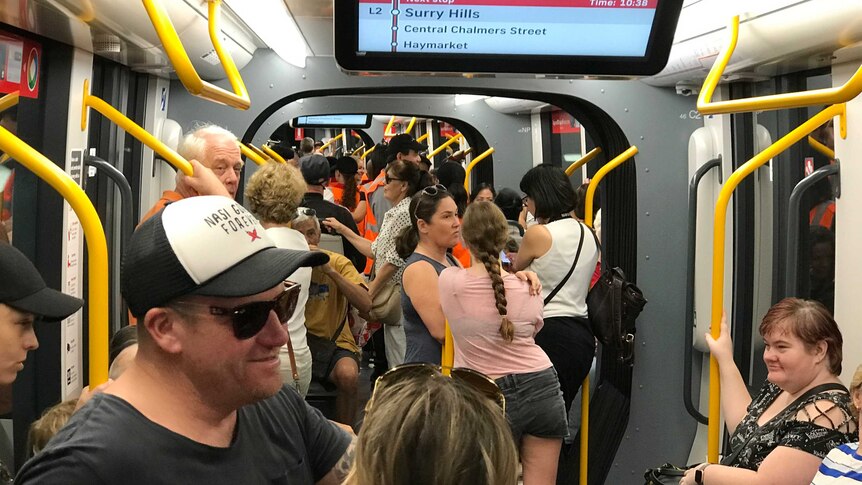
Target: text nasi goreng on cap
{"x":22,"y":287}
{"x":206,"y":245}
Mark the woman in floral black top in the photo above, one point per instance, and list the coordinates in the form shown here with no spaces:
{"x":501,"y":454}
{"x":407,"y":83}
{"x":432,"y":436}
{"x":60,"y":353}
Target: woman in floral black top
{"x":782,"y":435}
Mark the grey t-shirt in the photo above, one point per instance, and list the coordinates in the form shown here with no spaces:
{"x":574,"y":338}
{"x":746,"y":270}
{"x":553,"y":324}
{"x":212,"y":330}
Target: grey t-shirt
{"x":280,"y":440}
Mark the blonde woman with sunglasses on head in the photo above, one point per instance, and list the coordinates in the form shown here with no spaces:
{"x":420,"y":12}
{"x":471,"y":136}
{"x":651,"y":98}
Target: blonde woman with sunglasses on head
{"x":423,"y":428}
{"x":494,"y":319}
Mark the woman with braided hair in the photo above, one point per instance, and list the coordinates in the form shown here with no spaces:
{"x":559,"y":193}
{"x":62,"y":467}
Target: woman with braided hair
{"x":494,"y":317}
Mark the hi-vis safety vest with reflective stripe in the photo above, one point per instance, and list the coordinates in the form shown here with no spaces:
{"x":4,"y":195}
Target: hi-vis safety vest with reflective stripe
{"x":373,"y":193}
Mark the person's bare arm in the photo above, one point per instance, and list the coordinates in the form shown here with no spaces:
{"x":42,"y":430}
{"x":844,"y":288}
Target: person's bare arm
{"x":202,"y":182}
{"x":339,"y":472}
{"x":536,"y":242}
{"x":783,"y":466}
{"x":357,"y":295}
{"x":734,"y":394}
{"x":357,"y":241}
{"x":360,"y":211}
{"x":420,"y":285}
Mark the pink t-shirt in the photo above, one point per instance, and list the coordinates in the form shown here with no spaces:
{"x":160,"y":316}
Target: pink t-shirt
{"x":468,"y":302}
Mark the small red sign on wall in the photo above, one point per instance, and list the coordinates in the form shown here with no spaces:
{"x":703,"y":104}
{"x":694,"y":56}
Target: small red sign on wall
{"x":20,"y":65}
{"x":562,"y":122}
{"x":298,"y":134}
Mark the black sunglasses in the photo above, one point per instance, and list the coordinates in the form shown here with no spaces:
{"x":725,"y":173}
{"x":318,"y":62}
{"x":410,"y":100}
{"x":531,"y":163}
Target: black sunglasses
{"x":247,"y":320}
{"x":390,"y":179}
{"x":477,"y":380}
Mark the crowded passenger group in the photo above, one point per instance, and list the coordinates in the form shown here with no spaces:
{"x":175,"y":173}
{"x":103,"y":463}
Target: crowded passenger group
{"x":336,"y":262}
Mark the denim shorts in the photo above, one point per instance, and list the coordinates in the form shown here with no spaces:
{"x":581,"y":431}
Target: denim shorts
{"x":534,"y":404}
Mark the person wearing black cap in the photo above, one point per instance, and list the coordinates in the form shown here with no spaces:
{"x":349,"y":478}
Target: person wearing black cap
{"x":203,"y":401}
{"x":315,"y":171}
{"x":24,"y":297}
{"x":404,"y":147}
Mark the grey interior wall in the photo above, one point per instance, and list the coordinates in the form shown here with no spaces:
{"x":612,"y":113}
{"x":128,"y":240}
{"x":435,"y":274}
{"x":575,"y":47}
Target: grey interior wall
{"x":504,"y":132}
{"x":659,"y":123}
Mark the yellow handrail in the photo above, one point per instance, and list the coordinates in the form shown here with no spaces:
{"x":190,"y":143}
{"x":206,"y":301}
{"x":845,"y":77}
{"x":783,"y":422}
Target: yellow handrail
{"x":727,"y":189}
{"x":331,"y":141}
{"x":410,"y":125}
{"x":260,"y":152}
{"x":583,"y":161}
{"x":183,"y":65}
{"x":447,"y":362}
{"x":97,"y":247}
{"x":472,"y":164}
{"x":367,"y":152}
{"x":272,"y":154}
{"x":585,"y":386}
{"x":132,"y":128}
{"x":423,"y":137}
{"x":389,"y":125}
{"x":251,"y":154}
{"x":354,"y":152}
{"x":9,"y":100}
{"x":841,"y":94}
{"x":443,"y":146}
{"x":820,"y":147}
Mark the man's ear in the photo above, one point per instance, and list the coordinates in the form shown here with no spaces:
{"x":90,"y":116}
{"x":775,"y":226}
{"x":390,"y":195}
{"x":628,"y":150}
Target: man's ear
{"x":165,"y":328}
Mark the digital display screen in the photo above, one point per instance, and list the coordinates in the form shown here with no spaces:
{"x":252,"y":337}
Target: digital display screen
{"x":585,"y":37}
{"x":332,"y":121}
{"x":521,"y":27}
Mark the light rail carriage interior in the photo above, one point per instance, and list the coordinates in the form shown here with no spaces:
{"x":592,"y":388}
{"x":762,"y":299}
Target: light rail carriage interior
{"x":65,"y":53}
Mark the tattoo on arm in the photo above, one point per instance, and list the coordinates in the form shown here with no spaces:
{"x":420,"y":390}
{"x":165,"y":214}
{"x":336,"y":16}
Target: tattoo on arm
{"x":342,"y":468}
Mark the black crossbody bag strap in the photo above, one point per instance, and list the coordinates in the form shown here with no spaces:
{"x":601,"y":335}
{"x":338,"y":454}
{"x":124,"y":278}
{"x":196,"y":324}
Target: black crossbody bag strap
{"x":829,"y":386}
{"x":552,"y":294}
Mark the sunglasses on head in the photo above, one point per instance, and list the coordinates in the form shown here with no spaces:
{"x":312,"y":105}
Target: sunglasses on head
{"x":478,"y":381}
{"x":433,"y":190}
{"x":248,"y":319}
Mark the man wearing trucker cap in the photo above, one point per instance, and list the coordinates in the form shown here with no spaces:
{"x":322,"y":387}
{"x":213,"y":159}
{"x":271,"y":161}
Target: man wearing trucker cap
{"x":203,"y":401}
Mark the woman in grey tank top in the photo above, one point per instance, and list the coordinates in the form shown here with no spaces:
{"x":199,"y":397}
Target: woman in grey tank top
{"x":435,"y":227}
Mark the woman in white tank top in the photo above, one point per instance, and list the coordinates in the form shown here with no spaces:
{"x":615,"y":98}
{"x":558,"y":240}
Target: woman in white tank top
{"x":550,"y":249}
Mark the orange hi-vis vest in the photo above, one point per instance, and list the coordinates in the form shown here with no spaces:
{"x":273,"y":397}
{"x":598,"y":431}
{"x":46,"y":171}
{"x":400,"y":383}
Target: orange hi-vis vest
{"x":372,"y":227}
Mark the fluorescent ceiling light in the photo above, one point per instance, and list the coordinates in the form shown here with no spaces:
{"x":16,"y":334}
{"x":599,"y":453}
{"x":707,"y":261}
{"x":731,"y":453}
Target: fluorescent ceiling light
{"x":271,"y":21}
{"x":461,"y":99}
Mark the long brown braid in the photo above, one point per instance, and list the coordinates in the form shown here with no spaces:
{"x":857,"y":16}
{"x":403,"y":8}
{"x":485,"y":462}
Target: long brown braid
{"x":485,"y":232}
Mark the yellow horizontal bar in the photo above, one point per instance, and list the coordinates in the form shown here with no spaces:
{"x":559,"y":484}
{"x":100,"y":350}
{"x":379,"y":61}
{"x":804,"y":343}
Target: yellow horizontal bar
{"x":259,"y":152}
{"x":272,"y":154}
{"x":331,"y":141}
{"x":410,"y":125}
{"x":816,"y":97}
{"x":594,"y":182}
{"x":132,"y":128}
{"x":9,"y":100}
{"x":583,"y":161}
{"x":251,"y":154}
{"x":423,"y":137}
{"x":720,"y":221}
{"x":472,"y":164}
{"x":367,"y":152}
{"x":97,"y":247}
{"x":443,"y":146}
{"x":354,"y":152}
{"x":183,"y":65}
{"x":823,"y":149}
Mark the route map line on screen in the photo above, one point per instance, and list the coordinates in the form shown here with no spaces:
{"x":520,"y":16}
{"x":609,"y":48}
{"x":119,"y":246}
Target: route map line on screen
{"x":515,"y":27}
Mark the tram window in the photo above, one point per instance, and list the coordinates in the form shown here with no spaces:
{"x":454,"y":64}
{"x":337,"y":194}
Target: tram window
{"x":565,"y":142}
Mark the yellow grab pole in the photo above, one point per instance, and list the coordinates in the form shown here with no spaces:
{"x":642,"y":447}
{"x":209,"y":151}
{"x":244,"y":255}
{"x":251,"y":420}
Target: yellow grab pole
{"x":251,"y":154}
{"x":423,"y":138}
{"x":389,"y":126}
{"x":585,"y":386}
{"x":271,"y":153}
{"x":97,"y":247}
{"x":183,"y":65}
{"x":583,"y":161}
{"x":594,"y":182}
{"x":706,"y":106}
{"x":820,"y":147}
{"x":410,"y":125}
{"x":331,"y":141}
{"x":448,"y":359}
{"x":355,"y":152}
{"x":472,"y":164}
{"x":443,"y":146}
{"x":367,"y":152}
{"x":721,"y":204}
{"x":131,"y":128}
{"x":257,"y":150}
{"x":9,"y":100}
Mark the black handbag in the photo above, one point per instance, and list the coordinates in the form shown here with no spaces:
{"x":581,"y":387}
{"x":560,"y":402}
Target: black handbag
{"x":664,"y":475}
{"x":614,"y":304}
{"x":322,"y":351}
